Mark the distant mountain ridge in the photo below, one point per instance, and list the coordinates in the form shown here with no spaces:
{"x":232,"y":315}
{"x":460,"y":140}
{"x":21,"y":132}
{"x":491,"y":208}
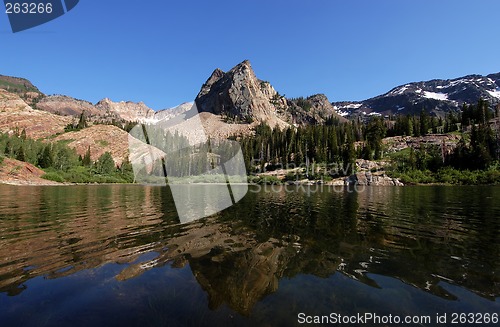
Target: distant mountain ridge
{"x":238,"y":96}
{"x":435,"y":96}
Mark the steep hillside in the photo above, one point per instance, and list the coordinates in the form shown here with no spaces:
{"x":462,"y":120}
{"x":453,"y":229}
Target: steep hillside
{"x":22,"y":87}
{"x":16,"y":115}
{"x":100,"y":139}
{"x":21,"y":173}
{"x":167,"y":114}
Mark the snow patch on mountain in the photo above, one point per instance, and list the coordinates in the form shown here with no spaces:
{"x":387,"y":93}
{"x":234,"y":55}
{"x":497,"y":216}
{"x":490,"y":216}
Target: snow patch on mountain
{"x":495,"y":93}
{"x":400,"y":90}
{"x":435,"y":96}
{"x":352,"y":106}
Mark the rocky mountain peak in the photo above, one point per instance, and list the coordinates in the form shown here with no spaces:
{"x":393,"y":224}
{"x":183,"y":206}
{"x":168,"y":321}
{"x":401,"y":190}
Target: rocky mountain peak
{"x":216,"y":75}
{"x":244,"y":67}
{"x":238,"y":95}
{"x":320,"y":99}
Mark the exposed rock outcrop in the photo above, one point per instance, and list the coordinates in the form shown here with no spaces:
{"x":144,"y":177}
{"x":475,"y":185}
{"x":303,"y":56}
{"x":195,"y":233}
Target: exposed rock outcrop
{"x":372,"y":179}
{"x":398,"y":143}
{"x":315,"y":109}
{"x":126,"y":110}
{"x":371,"y":173}
{"x":104,"y":111}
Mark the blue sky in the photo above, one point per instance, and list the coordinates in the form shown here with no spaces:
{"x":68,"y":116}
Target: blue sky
{"x":161,"y":52}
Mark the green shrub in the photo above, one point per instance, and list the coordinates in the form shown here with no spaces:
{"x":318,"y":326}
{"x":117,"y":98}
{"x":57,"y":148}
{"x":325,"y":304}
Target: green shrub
{"x":292,"y":176}
{"x":415,"y":176}
{"x":491,"y":177}
{"x":53,"y":176}
{"x":269,"y":180}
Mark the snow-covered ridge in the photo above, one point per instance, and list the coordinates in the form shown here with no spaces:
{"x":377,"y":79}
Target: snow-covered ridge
{"x":437,"y":96}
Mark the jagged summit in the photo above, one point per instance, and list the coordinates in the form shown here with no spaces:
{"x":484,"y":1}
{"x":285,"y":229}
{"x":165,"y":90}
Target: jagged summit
{"x":240,"y":96}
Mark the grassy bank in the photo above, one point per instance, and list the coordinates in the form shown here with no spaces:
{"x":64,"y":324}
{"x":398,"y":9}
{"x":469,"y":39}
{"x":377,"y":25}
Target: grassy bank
{"x":449,"y":176}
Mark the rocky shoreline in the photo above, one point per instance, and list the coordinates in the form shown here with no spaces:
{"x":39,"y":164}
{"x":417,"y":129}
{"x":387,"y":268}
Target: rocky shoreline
{"x":370,"y":173}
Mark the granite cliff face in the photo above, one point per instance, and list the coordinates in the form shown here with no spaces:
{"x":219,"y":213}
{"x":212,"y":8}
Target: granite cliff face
{"x":240,"y":96}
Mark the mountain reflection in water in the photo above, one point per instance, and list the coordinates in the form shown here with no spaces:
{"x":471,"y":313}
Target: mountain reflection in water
{"x":436,"y":239}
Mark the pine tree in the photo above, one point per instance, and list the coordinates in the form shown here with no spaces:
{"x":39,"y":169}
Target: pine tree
{"x":87,"y":160}
{"x":21,"y":155}
{"x":424,"y":122}
{"x":409,"y":126}
{"x":375,"y":132}
{"x":82,"y":122}
{"x":349,"y":158}
{"x":47,"y":158}
{"x":105,"y":164}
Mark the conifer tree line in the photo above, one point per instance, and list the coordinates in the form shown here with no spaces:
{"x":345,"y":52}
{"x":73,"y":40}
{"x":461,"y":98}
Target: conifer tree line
{"x":340,"y":144}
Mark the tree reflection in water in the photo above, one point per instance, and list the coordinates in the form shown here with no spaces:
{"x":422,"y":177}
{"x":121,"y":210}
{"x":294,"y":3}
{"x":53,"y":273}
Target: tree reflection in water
{"x":421,"y":236}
